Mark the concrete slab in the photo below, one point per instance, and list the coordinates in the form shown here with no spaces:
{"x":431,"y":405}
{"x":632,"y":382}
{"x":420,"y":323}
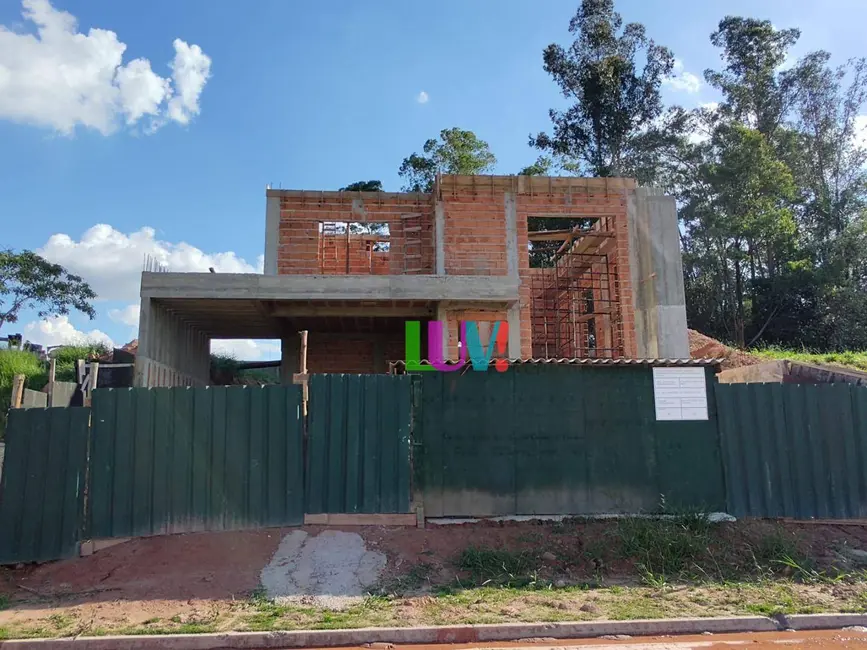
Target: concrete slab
{"x":251,"y":286}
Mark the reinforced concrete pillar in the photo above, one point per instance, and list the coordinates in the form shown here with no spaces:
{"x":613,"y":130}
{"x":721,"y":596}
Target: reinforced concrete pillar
{"x":656,"y":272}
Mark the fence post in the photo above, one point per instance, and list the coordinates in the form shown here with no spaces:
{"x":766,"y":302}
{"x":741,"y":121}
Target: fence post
{"x":52,"y":374}
{"x":94,"y":375}
{"x":303,"y":362}
{"x":17,"y":391}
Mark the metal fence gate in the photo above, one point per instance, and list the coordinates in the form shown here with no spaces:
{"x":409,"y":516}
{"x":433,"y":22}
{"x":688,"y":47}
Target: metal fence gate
{"x":171,"y":460}
{"x":358,"y":447}
{"x":42,"y":489}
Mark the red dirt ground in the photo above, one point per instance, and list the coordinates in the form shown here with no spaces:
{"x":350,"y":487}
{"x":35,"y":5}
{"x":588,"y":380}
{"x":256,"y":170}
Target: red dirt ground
{"x":227,"y":565}
{"x":704,"y":347}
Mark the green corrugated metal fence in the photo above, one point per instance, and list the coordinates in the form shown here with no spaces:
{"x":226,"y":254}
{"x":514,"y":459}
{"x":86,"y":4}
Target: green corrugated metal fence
{"x":358,"y":447}
{"x":42,"y":490}
{"x":168,"y":460}
{"x":794,"y":450}
{"x":560,"y":440}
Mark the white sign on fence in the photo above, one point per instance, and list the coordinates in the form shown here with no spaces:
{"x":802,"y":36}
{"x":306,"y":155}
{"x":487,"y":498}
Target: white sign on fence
{"x":680,"y":393}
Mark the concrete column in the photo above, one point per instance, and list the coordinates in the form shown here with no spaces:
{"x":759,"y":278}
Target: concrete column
{"x":171,"y":352}
{"x":514,"y":320}
{"x":656,"y":271}
{"x":290,"y":356}
{"x":272,"y":233}
{"x":511,"y":220}
{"x":442,"y":316}
{"x":440,"y":237}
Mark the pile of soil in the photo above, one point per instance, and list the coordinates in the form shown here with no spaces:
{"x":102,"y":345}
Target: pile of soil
{"x":704,"y":347}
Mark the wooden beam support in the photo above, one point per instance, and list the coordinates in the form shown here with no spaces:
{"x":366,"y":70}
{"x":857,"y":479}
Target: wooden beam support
{"x":17,"y":391}
{"x":333,"y":519}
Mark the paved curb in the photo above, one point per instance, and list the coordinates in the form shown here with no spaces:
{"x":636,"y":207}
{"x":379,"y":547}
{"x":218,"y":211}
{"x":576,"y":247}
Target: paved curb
{"x":447,"y":634}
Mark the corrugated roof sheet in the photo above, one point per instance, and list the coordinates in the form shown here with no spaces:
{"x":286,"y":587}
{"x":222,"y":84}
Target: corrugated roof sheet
{"x":599,"y":362}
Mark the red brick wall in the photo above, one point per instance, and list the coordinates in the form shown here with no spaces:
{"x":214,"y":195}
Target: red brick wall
{"x":302,"y":249}
{"x":475,"y":233}
{"x":474,"y":237}
{"x":363,"y":260}
{"x":485,"y":318}
{"x":354,"y":354}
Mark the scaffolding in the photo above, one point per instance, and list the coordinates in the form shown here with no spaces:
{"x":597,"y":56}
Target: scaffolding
{"x":575,"y":300}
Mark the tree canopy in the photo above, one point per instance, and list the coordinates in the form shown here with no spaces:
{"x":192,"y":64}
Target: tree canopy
{"x":28,"y":281}
{"x":363,"y":186}
{"x":455,"y":152}
{"x":612,"y":75}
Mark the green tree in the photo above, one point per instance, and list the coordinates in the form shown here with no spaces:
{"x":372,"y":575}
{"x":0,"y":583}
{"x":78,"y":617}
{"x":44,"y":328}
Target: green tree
{"x":28,"y":281}
{"x":455,"y":152}
{"x":616,"y":125}
{"x":363,"y":186}
{"x":738,"y":225}
{"x":542,"y":167}
{"x":757,"y":93}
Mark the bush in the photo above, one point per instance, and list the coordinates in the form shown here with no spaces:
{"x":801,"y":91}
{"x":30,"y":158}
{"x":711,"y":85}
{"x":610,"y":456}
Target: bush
{"x":18,"y":362}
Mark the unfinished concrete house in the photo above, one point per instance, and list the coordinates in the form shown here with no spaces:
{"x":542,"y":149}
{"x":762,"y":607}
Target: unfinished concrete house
{"x":578,"y":267}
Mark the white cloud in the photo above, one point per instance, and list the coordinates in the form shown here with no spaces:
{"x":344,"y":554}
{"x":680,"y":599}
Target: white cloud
{"x":861,"y":131}
{"x":422,"y":97}
{"x":129,"y":315}
{"x":111,"y":261}
{"x":61,"y":78}
{"x":58,"y":330}
{"x":247,"y":349}
{"x":190,"y":71}
{"x":682,"y":81}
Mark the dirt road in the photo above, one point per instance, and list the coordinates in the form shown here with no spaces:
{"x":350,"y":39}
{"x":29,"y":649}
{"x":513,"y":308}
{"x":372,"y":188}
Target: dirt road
{"x":824,"y":640}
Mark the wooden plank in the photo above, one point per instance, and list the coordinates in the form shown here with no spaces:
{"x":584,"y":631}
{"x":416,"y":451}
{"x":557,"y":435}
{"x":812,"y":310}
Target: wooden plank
{"x":17,"y":391}
{"x":303,"y":367}
{"x":336,"y":519}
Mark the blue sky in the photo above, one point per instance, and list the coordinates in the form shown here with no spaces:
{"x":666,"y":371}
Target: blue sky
{"x":299,"y":95}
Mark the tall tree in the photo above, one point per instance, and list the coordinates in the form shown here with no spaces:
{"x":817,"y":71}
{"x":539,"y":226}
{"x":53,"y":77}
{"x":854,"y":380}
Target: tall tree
{"x":756,"y":92}
{"x":738,"y":224}
{"x":455,"y":152}
{"x":363,"y":186}
{"x":28,"y":281}
{"x":614,"y":126}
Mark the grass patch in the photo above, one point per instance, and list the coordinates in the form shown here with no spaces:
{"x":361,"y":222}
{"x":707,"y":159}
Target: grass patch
{"x":503,"y":567}
{"x":850,"y":359}
{"x":373,"y":611}
{"x":418,"y":576}
{"x":665,"y":548}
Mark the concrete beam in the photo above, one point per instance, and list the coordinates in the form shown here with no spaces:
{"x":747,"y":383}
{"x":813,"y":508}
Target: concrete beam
{"x":272,"y":233}
{"x":250,"y":286}
{"x":349,"y":311}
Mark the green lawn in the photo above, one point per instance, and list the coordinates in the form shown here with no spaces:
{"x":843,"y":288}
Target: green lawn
{"x":849,"y":359}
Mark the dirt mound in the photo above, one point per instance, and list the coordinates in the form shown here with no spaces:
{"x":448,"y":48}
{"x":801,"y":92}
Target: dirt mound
{"x":704,"y":347}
